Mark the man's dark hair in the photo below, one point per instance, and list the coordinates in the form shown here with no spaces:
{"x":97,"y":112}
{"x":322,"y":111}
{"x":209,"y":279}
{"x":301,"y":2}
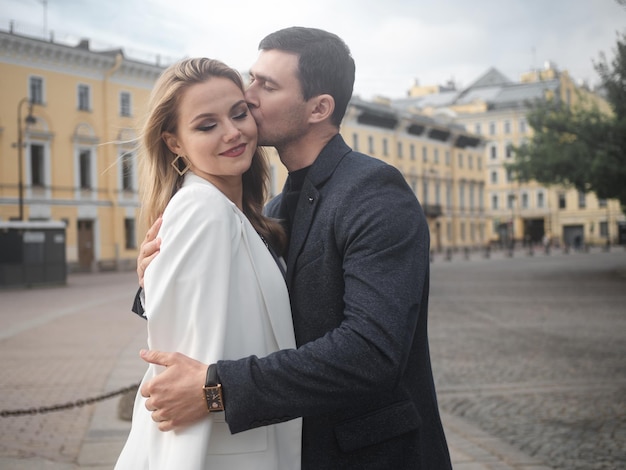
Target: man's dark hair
{"x":324,"y":63}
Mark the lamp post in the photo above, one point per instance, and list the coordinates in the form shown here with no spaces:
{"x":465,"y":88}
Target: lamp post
{"x":30,"y":119}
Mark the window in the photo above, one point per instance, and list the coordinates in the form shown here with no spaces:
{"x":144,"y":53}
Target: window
{"x":370,"y":144}
{"x":494,"y":177}
{"x":522,"y":126}
{"x":604,"y":229}
{"x":507,"y":127}
{"x":510,"y":201}
{"x":125,"y":104}
{"x":525,"y":201}
{"x":509,"y":175}
{"x":355,"y":142}
{"x":470,"y":161}
{"x":562,"y":201}
{"x":83,"y":98}
{"x":35,"y":90}
{"x":437,"y":192}
{"x":37,"y":165}
{"x":582,"y":202}
{"x":449,"y":231}
{"x":412,"y":151}
{"x":127,"y":172}
{"x":540,"y":200}
{"x":460,"y":158}
{"x":481,"y":194}
{"x":129,"y":234}
{"x":448,"y":196}
{"x":472,"y":203}
{"x":479,"y":163}
{"x":462,"y":196}
{"x":84,"y":162}
{"x":436,"y":155}
{"x":509,"y":150}
{"x":477,"y":128}
{"x":463,"y":231}
{"x":447,"y":158}
{"x":493,"y":151}
{"x":492,"y":128}
{"x":494,"y":201}
{"x":399,"y":149}
{"x":425,"y":192}
{"x":424,"y":154}
{"x":601,"y":202}
{"x":385,"y":150}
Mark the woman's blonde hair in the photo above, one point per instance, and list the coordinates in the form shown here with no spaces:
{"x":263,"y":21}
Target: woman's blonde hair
{"x":160,"y":181}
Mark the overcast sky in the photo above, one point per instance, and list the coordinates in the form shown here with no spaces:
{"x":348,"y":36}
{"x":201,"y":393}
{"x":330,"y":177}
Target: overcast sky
{"x":393,"y":42}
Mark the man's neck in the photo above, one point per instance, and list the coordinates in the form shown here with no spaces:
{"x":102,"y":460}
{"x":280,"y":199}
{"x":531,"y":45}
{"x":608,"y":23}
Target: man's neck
{"x":303,"y":152}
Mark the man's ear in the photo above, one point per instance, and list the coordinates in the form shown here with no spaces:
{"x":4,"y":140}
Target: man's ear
{"x":323,"y":108}
{"x":172,"y":142}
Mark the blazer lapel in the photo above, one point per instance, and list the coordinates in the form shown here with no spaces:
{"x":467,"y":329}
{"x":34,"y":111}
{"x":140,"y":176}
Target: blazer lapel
{"x":310,"y":197}
{"x":307,"y":203}
{"x":272,"y":286}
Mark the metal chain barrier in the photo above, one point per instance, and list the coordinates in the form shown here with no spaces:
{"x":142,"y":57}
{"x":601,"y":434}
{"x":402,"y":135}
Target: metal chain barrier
{"x":66,"y":406}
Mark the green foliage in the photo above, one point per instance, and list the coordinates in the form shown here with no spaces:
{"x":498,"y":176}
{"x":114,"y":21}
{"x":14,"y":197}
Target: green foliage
{"x":580,"y":146}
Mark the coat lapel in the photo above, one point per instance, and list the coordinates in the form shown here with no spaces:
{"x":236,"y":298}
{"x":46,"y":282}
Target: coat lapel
{"x":272,"y":287}
{"x":310,"y":197}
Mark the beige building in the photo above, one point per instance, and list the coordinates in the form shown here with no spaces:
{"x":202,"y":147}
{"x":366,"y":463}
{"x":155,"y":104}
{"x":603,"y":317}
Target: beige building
{"x":495,"y":108}
{"x":74,"y":112}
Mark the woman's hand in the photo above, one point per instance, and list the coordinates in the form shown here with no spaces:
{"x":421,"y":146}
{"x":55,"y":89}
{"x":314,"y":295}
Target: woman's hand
{"x":149,"y":249}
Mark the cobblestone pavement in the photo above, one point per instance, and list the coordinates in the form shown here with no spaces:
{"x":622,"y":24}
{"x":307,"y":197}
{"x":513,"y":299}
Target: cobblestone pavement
{"x":54,"y":352}
{"x":532,"y":349}
{"x":528,"y":355}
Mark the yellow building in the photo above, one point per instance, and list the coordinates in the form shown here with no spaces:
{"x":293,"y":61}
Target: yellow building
{"x":74,"y":111}
{"x":495,"y":108}
{"x":441,"y":161}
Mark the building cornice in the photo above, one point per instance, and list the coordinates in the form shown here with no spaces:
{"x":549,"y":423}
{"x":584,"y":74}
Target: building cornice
{"x":79,"y":60}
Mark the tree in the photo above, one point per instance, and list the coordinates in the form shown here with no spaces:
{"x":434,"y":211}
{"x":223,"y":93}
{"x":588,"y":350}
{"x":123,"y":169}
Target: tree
{"x":580,"y":146}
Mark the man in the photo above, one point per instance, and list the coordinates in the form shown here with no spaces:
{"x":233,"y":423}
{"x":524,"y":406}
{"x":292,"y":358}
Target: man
{"x":358,"y":277}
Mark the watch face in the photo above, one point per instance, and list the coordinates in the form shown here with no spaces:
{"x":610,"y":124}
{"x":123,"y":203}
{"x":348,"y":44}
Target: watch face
{"x":214,"y":398}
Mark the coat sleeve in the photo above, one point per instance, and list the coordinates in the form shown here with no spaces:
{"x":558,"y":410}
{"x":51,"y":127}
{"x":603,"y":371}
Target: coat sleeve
{"x":382,"y":239}
{"x":188,"y":292}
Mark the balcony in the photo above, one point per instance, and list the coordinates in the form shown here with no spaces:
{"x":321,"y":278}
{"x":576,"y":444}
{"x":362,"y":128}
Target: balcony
{"x":432,"y":210}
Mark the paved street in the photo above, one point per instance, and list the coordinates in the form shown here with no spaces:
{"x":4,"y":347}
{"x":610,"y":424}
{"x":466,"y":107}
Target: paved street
{"x":532,"y":350}
{"x":528,"y":354}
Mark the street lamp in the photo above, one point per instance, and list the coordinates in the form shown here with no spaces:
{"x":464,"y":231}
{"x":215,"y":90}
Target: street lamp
{"x":30,"y":119}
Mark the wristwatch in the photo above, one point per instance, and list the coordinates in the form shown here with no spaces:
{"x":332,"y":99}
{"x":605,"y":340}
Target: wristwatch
{"x":213,"y":390}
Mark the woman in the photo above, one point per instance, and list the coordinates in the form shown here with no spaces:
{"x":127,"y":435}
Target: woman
{"x":215,"y":291}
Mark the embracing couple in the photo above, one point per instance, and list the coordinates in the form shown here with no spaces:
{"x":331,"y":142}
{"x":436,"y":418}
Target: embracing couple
{"x":291,"y":336}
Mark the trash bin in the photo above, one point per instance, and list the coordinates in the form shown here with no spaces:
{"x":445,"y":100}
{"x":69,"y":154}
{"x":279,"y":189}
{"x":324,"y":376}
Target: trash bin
{"x":32,"y":253}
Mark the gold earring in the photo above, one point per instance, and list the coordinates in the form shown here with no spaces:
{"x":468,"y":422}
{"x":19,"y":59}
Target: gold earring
{"x":175,"y":164}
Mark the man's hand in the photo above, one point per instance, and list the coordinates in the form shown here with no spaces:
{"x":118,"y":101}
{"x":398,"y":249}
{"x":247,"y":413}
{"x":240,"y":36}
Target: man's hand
{"x":175,"y":396}
{"x":149,"y":249}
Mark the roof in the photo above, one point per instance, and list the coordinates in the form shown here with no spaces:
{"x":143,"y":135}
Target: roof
{"x":492,"y":88}
{"x":492,"y":77}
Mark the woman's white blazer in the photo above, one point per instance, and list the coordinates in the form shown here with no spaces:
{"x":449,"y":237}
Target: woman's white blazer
{"x":213,"y":292}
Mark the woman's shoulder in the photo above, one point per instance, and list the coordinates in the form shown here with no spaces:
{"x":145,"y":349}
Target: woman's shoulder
{"x":199,"y":199}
